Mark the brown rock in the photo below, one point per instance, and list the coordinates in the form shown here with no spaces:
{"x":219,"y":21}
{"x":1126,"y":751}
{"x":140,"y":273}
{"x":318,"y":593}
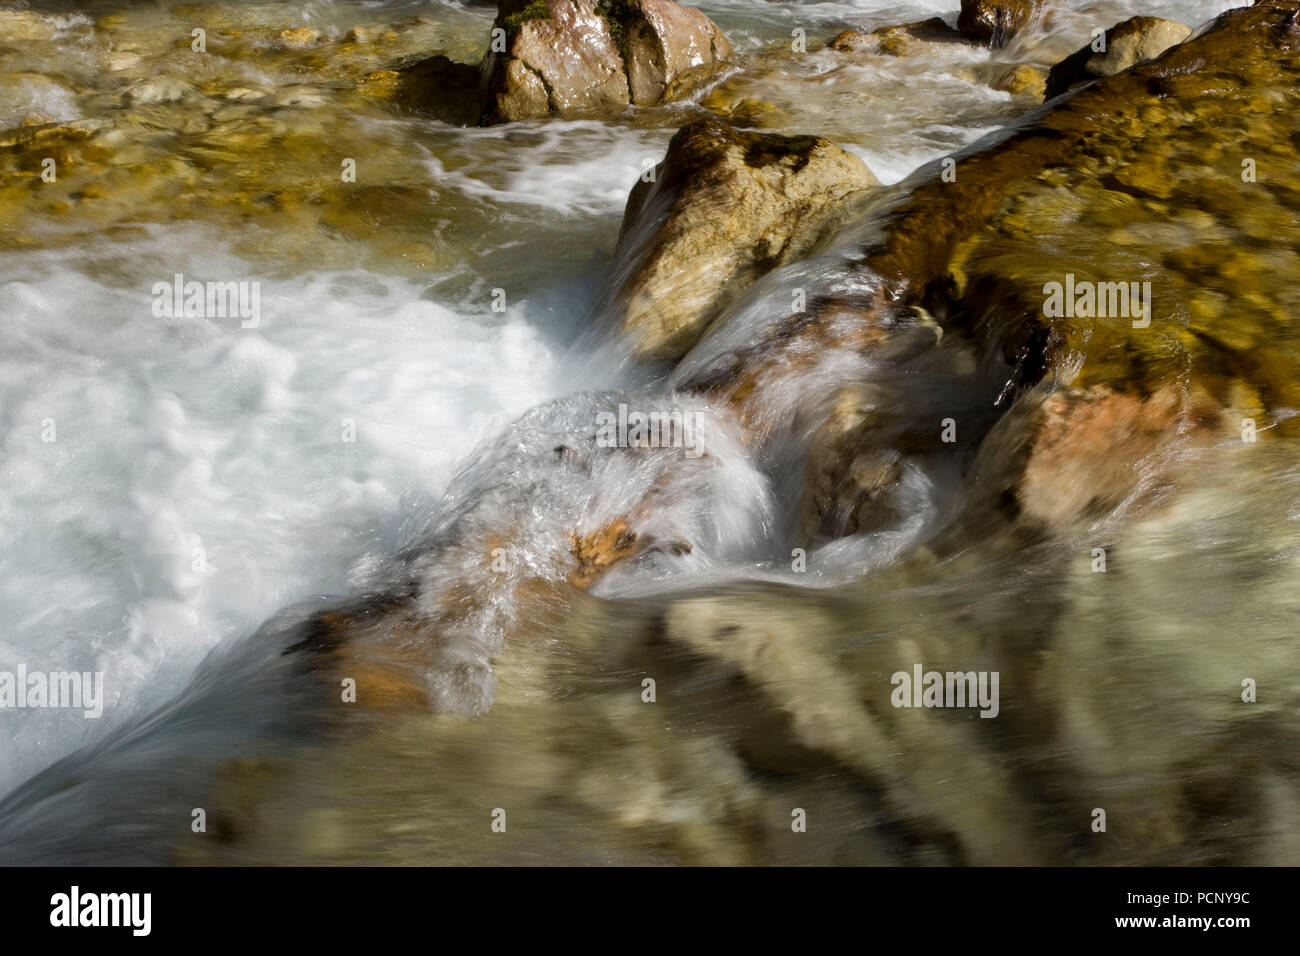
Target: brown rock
{"x":1134,"y":41}
{"x":897,"y":40}
{"x":663,"y":43}
{"x":560,"y":58}
{"x":724,"y":207}
{"x":996,"y":21}
{"x":1022,"y":79}
{"x":567,"y":56}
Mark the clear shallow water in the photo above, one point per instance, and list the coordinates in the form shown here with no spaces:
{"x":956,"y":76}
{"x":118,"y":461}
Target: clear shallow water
{"x":188,"y":434}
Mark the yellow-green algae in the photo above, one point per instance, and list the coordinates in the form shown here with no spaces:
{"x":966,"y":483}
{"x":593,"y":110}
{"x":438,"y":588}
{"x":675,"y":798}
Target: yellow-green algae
{"x":1181,"y":172}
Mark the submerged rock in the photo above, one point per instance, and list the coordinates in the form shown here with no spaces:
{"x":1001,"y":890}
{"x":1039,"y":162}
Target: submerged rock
{"x":1023,"y":79}
{"x":1092,"y":449}
{"x":567,"y":56}
{"x":438,"y":86}
{"x":723,"y":208}
{"x":300,"y":37}
{"x":745,"y":111}
{"x":1134,"y":41}
{"x":23,"y":25}
{"x":902,"y":40}
{"x":996,"y":21}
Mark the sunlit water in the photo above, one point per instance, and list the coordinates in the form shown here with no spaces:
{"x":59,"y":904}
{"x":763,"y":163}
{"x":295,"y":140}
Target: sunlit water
{"x":206,"y":476}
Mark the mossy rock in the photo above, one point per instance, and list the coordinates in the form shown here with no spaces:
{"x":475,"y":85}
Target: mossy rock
{"x":536,"y":10}
{"x":1138,"y":178}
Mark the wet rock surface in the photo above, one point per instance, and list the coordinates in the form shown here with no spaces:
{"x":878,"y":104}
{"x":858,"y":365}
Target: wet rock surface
{"x":722,"y":209}
{"x":1075,"y":429}
{"x":1134,"y":41}
{"x":1104,"y":190}
{"x":1072,"y":198}
{"x":996,"y":21}
{"x":573,"y":56}
{"x":897,"y":41}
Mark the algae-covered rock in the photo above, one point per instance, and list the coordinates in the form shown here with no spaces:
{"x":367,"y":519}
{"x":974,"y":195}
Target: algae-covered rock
{"x":1133,"y":41}
{"x":1141,"y":201}
{"x":903,"y":40}
{"x":1112,"y":188}
{"x":1023,"y":80}
{"x":723,"y":208}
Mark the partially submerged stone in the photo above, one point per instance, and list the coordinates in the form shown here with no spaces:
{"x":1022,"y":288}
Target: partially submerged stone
{"x":438,"y":86}
{"x":1133,"y":41}
{"x":996,"y":21}
{"x":723,"y":208}
{"x":902,"y":40}
{"x":572,"y":56}
{"x":1023,"y":80}
{"x":745,"y":111}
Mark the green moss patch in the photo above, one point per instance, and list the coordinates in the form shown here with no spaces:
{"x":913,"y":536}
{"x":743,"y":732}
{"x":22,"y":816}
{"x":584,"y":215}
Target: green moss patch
{"x":620,"y":16}
{"x":537,"y":10}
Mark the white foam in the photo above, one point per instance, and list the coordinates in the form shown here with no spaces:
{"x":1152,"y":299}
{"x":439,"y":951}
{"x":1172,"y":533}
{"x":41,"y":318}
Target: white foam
{"x":177,"y":435}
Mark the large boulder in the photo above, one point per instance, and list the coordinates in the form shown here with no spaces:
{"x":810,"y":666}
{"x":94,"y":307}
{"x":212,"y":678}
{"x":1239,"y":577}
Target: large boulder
{"x":1147,"y":176}
{"x":1134,"y":41}
{"x":1145,"y":183}
{"x":571,"y":56}
{"x":996,"y":21}
{"x":723,"y":208}
{"x":664,"y":43}
{"x":560,"y":57}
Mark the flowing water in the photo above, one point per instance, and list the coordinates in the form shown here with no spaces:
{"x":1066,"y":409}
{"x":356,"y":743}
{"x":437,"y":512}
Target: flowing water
{"x":422,"y":389}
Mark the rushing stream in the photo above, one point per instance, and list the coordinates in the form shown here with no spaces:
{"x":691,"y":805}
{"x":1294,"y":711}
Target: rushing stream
{"x":421,"y":388}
